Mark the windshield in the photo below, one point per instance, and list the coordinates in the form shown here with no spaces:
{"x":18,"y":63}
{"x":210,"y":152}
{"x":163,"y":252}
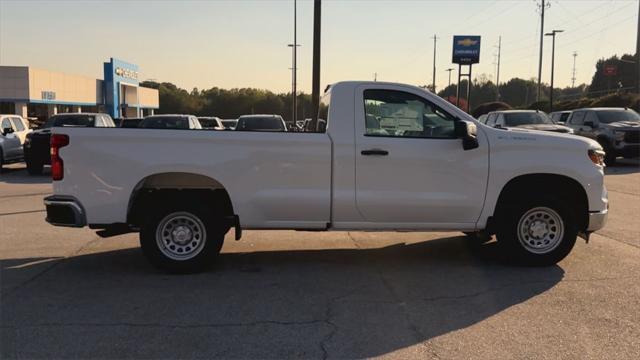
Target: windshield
{"x":228,"y":124}
{"x":260,"y":123}
{"x":70,"y":120}
{"x":165,"y":122}
{"x":609,"y":116}
{"x":208,"y":122}
{"x":526,"y":118}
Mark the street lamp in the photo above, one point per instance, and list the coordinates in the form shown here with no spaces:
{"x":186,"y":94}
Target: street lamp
{"x":449,"y":70}
{"x":553,"y":50}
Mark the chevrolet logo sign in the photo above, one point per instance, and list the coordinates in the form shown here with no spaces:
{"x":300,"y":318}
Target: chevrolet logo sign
{"x":467,"y":42}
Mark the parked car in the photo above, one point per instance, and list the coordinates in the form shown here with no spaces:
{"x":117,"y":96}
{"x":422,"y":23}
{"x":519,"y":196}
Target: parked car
{"x":616,"y":129}
{"x":128,"y":122}
{"x":261,"y":123}
{"x":13,"y":133}
{"x":230,"y":124}
{"x":170,"y":122}
{"x":211,"y":122}
{"x":536,"y":190}
{"x":560,"y":117}
{"x":524,"y":119}
{"x":36,"y":145}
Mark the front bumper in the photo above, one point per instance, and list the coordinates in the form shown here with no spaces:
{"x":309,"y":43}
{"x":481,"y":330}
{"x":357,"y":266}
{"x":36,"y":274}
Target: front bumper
{"x":597,"y":220}
{"x":64,"y":211}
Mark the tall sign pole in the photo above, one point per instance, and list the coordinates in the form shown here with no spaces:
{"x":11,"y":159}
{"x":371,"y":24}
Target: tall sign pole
{"x":315,"y":85}
{"x":295,"y":65}
{"x":433,"y":84}
{"x":542,"y":7}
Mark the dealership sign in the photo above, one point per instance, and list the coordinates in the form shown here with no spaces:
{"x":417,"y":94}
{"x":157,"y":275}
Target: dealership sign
{"x":48,"y":95}
{"x":126,"y":73}
{"x":610,"y":70}
{"x":466,"y":49}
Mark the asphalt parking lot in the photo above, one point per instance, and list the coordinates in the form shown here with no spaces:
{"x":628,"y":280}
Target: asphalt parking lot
{"x":65,"y":293}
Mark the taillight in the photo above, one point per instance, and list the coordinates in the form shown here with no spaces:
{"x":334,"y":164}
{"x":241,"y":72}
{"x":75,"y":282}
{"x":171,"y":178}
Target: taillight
{"x":57,"y":165}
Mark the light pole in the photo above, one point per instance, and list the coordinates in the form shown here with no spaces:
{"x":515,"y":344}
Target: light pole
{"x":553,"y":50}
{"x":449,"y":70}
{"x":294,"y":68}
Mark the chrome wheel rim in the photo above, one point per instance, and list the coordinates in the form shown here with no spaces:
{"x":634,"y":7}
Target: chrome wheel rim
{"x":181,"y":236}
{"x":540,"y":230}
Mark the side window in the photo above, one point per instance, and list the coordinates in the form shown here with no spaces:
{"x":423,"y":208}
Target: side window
{"x":591,"y":116}
{"x":491,"y":120}
{"x":500,"y":120}
{"x":402,"y":114}
{"x":5,"y":124}
{"x":577,"y":118}
{"x":17,"y":124}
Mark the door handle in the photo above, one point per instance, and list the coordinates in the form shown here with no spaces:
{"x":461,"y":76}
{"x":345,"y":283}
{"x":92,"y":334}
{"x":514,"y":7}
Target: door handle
{"x":375,"y":152}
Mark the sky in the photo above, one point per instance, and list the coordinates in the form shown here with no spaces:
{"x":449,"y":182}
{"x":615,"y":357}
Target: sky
{"x":232,"y":44}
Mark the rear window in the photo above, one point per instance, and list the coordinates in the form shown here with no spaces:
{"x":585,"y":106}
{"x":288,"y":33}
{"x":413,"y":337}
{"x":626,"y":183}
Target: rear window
{"x":609,"y":116}
{"x":260,"y":123}
{"x":165,"y":122}
{"x":70,"y":120}
{"x":525,"y":118}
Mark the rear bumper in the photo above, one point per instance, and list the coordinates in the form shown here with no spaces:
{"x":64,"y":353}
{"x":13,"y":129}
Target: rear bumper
{"x":64,"y":211}
{"x":597,"y":220}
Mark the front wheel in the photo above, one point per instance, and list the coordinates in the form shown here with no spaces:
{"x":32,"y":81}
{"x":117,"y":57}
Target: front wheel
{"x":182,"y":238}
{"x":538,"y":232}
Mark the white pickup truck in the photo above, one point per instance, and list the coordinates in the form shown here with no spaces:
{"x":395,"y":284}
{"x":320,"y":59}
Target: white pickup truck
{"x":388,"y":157}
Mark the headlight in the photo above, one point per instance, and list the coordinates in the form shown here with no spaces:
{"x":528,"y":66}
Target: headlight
{"x":619,"y":135}
{"x":597,"y":156}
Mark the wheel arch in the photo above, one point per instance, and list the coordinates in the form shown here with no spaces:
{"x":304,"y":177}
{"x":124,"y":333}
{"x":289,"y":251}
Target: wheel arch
{"x":561,"y":186}
{"x":155,"y":189}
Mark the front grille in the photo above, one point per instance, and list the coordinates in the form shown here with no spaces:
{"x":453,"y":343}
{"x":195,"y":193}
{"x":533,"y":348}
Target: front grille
{"x":632,"y":137}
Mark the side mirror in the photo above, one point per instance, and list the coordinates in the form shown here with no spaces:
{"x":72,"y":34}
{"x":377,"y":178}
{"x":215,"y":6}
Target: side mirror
{"x":467,"y":131}
{"x":6,"y":131}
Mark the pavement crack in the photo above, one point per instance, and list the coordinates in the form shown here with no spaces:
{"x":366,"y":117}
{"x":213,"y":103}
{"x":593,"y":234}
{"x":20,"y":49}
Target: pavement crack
{"x":353,"y":240}
{"x":22,"y":212}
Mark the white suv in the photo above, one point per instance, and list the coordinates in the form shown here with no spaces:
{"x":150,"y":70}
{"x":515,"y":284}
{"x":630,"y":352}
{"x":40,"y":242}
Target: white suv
{"x":13,"y":131}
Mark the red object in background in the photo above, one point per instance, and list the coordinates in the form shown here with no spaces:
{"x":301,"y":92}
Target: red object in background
{"x":610,"y":70}
{"x":461,"y":105}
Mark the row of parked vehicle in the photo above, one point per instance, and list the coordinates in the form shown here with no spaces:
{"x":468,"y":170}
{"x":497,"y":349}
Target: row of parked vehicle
{"x":616,"y":129}
{"x":18,"y":142}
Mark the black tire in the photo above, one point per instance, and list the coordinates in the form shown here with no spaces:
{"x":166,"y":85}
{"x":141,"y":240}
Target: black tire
{"x":515,"y":250}
{"x":479,"y":237}
{"x":211,"y":238}
{"x":1,"y":160}
{"x":33,"y":167}
{"x":610,"y":153}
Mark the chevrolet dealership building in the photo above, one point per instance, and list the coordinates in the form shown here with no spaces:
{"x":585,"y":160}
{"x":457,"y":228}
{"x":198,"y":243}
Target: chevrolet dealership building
{"x":32,"y":92}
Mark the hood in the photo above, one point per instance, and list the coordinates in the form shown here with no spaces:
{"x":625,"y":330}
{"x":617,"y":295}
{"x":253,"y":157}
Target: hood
{"x":546,"y":127}
{"x":522,"y":135}
{"x":623,"y":125}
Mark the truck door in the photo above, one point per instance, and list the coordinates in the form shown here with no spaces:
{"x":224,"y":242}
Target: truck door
{"x":410,"y":167}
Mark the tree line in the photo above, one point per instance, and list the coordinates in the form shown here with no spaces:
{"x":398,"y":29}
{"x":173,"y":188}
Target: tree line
{"x":517,"y":93}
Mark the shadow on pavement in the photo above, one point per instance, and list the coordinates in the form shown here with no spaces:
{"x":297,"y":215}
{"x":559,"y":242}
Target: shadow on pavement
{"x":347,"y":303}
{"x":623,"y":167}
{"x":17,"y":174}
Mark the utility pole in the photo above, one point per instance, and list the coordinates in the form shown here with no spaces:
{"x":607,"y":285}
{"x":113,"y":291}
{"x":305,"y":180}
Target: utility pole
{"x":294,"y":46}
{"x":638,"y":54}
{"x":375,"y":76}
{"x":498,"y":68}
{"x":315,"y":84}
{"x":433,"y":84}
{"x":449,"y":70}
{"x":553,"y":50}
{"x":542,"y":8}
{"x":573,"y":76}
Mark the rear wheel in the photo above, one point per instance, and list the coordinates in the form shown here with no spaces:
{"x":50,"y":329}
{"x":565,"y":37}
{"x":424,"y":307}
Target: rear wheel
{"x":182,"y":238}
{"x":610,"y":153}
{"x":538,"y":232}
